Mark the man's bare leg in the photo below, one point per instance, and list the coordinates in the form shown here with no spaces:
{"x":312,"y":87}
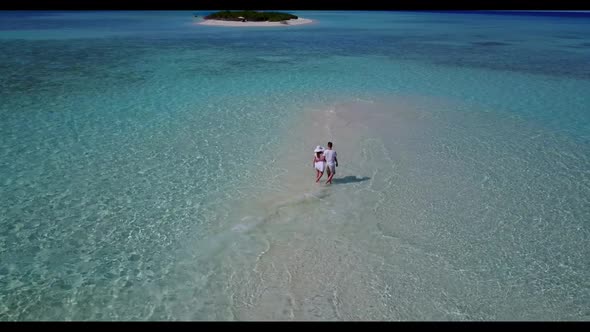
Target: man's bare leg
{"x":330,"y":176}
{"x":330,"y":179}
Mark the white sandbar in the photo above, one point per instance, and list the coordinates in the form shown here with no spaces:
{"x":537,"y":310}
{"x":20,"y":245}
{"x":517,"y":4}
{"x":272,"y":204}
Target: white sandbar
{"x":298,"y":21}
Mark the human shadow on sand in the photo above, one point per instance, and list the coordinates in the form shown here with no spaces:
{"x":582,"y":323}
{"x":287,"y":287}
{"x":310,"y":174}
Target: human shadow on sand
{"x":350,"y":179}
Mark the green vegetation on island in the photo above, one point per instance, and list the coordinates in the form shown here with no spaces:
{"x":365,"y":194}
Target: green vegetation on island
{"x":249,"y":15}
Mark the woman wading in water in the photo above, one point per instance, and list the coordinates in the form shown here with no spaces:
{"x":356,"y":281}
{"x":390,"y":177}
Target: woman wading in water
{"x":319,"y":163}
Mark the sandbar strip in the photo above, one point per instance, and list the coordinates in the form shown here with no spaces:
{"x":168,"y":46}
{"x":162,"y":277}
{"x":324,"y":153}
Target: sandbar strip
{"x":298,"y":21}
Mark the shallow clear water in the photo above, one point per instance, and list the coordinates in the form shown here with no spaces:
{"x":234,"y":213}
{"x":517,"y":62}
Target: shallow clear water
{"x":157,"y":169}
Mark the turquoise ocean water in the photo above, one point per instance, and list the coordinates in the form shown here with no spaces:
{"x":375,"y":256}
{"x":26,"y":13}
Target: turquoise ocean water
{"x":155,"y":169}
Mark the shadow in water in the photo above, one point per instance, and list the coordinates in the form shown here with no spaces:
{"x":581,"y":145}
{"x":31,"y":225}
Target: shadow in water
{"x":350,"y":179}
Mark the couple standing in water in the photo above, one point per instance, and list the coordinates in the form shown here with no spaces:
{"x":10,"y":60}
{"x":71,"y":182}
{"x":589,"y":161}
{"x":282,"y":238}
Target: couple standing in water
{"x":325,"y":159}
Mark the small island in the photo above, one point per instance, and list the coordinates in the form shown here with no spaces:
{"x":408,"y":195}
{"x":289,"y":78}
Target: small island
{"x":252,"y":18}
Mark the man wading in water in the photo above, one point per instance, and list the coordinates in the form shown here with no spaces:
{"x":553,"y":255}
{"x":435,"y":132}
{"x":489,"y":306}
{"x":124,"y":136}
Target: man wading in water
{"x":331,"y":161}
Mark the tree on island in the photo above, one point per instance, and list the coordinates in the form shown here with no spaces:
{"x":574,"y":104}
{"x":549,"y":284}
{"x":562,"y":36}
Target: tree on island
{"x":249,"y":15}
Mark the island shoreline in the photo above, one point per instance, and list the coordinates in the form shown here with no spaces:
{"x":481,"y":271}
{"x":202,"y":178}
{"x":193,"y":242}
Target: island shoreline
{"x":298,"y":21}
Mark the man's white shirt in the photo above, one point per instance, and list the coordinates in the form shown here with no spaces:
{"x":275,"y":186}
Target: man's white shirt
{"x":330,"y":156}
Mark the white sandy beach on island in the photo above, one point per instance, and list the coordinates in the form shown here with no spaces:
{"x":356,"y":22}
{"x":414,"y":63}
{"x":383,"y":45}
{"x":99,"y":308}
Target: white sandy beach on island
{"x":298,"y":21}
